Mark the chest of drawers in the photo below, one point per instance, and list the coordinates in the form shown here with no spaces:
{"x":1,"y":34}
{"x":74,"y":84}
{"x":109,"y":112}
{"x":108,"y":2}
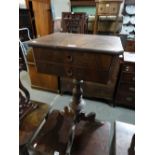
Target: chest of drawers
{"x":86,"y":57}
{"x":125,"y":94}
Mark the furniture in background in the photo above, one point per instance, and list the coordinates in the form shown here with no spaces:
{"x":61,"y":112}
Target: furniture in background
{"x":57,"y":7}
{"x":74,"y":22}
{"x":94,"y":89}
{"x":41,"y":17}
{"x":31,"y":116}
{"x":125,"y":93}
{"x":81,"y":57}
{"x":124,"y":139}
{"x":107,"y":8}
{"x":41,"y":80}
{"x":106,"y":24}
{"x":38,"y":80}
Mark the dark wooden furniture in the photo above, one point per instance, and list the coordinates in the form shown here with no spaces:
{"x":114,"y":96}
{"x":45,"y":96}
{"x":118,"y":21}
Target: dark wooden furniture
{"x":130,"y":45}
{"x":87,"y":57}
{"x":31,"y":116}
{"x":124,"y":138}
{"x":40,"y":80}
{"x":125,"y":94}
{"x":94,"y":89}
{"x":74,"y":22}
{"x":82,"y":3}
{"x":107,"y":8}
{"x":90,"y":137}
{"x":77,"y":56}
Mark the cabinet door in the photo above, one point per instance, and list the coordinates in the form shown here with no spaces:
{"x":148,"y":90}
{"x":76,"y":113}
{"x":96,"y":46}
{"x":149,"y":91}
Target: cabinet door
{"x":43,"y":18}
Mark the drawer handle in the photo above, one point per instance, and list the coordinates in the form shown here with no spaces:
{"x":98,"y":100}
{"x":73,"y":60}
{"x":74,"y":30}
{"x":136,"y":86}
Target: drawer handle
{"x":69,"y":58}
{"x":69,"y":72}
{"x":132,"y":89}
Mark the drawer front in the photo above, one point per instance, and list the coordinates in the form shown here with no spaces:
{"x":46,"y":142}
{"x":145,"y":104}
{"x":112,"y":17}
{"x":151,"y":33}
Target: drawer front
{"x":127,"y":88}
{"x":125,"y":99}
{"x":79,"y":59}
{"x":128,"y":77}
{"x":73,"y":72}
{"x":108,"y":8}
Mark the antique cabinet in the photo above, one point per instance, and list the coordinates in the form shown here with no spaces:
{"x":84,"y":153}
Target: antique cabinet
{"x":125,"y":94}
{"x":41,"y":19}
{"x":40,"y":80}
{"x":41,"y":14}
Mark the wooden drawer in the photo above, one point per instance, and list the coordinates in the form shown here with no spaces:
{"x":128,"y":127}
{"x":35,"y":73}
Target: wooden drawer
{"x":72,"y":72}
{"x":82,"y":65}
{"x":127,"y":77}
{"x":125,"y":99}
{"x":82,"y":60}
{"x":42,"y":81}
{"x":108,"y":8}
{"x":90,"y":89}
{"x":128,"y":88}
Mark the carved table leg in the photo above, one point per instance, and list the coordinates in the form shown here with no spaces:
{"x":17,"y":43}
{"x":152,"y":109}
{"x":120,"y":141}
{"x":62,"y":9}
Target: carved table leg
{"x":77,"y":104}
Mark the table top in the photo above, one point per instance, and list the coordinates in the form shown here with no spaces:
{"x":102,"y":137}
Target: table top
{"x":90,"y":137}
{"x":81,"y":42}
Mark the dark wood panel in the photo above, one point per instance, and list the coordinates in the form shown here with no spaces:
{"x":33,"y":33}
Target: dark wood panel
{"x":125,"y":94}
{"x":40,"y":80}
{"x":82,"y":3}
{"x":75,"y":58}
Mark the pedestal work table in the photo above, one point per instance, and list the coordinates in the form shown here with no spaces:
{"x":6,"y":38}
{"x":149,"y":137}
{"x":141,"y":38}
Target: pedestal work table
{"x":81,"y":57}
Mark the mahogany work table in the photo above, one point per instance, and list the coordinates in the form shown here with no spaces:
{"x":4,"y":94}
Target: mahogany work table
{"x":81,"y":57}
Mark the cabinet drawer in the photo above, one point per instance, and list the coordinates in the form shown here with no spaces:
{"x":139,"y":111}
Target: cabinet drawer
{"x":80,"y":59}
{"x":125,"y":99}
{"x":127,"y":77}
{"x":108,"y":8}
{"x":126,"y":88}
{"x":73,"y":72}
